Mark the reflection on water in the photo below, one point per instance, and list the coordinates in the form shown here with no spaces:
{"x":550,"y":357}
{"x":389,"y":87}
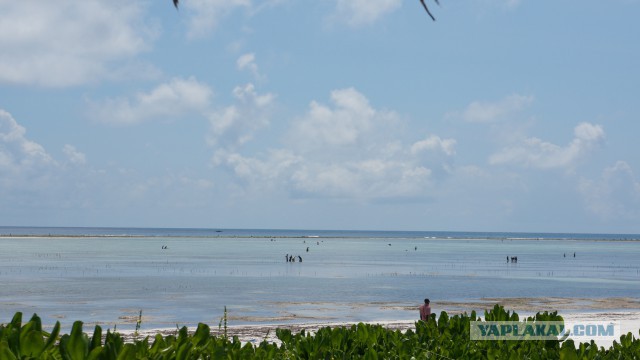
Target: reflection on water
{"x":109,"y":279}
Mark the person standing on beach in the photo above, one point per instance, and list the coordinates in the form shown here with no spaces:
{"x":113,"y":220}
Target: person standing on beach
{"x":425,"y":310}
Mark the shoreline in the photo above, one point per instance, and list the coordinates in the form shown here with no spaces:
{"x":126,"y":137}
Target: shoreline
{"x":311,"y":312}
{"x":623,"y":311}
{"x":628,"y":321}
{"x":312,"y":237}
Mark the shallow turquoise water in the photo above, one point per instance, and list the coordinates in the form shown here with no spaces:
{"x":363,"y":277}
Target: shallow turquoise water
{"x":104,"y":279}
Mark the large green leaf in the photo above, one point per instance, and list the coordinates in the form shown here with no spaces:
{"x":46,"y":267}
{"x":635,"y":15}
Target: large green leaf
{"x":75,"y":346}
{"x":53,"y":336}
{"x":5,"y":351}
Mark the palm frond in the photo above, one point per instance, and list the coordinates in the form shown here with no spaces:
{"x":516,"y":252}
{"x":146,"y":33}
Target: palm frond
{"x":426,"y":8}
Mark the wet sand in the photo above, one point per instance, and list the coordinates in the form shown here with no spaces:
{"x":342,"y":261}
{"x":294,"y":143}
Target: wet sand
{"x":562,"y":305}
{"x":322,"y":312}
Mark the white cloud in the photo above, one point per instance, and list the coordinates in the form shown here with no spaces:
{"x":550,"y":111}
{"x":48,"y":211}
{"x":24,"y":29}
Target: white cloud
{"x":366,"y":179}
{"x":615,"y":195}
{"x":346,"y":150}
{"x":205,"y":14}
{"x":434,"y":142}
{"x":75,"y":157}
{"x":536,"y":153}
{"x":236,"y":124}
{"x":179,"y":96}
{"x":277,"y":163}
{"x":66,"y":42}
{"x":348,"y":123}
{"x":248,"y":62}
{"x":23,"y":162}
{"x":483,"y":112}
{"x":364,"y":12}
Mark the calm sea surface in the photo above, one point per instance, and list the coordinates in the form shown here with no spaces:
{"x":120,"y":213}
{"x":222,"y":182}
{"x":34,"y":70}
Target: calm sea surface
{"x":186,"y":276}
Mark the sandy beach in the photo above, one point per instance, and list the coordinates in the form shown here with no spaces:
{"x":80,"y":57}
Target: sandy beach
{"x":624,"y":311}
{"x":629,"y":322}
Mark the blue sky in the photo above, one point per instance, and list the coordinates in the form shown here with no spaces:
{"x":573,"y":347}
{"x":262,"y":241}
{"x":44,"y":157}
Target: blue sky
{"x":503,"y":115}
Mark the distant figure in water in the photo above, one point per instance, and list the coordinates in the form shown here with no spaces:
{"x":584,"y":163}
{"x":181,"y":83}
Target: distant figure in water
{"x":292,"y":259}
{"x":564,"y":255}
{"x":416,"y":248}
{"x":425,"y":310}
{"x":286,"y":258}
{"x":507,"y":259}
{"x":299,"y":258}
{"x":574,"y":254}
{"x":307,"y":249}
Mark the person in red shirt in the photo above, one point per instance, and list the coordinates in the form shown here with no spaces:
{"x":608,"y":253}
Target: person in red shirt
{"x":425,"y":310}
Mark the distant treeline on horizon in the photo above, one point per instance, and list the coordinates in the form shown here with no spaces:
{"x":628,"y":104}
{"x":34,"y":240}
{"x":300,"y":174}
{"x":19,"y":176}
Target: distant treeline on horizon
{"x":26,"y":231}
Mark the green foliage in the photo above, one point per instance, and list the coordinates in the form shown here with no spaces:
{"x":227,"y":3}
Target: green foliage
{"x":138,"y":323}
{"x":443,"y":337}
{"x":28,"y":341}
{"x":223,"y":321}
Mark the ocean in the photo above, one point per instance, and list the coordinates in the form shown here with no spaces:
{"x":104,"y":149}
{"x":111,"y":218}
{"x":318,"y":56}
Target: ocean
{"x":185,"y":276}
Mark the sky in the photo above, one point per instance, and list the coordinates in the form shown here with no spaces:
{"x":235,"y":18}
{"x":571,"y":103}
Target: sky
{"x":502,"y":115}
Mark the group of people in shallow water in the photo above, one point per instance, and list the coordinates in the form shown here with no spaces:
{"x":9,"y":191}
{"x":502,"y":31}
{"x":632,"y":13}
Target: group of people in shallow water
{"x":291,"y":258}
